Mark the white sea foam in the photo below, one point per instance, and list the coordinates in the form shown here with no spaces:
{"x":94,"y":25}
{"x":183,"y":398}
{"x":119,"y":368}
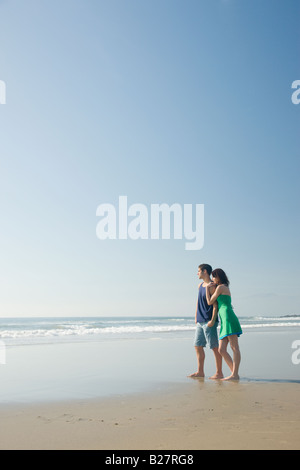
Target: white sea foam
{"x":82,"y":330}
{"x":271,"y":325}
{"x":17,"y":331}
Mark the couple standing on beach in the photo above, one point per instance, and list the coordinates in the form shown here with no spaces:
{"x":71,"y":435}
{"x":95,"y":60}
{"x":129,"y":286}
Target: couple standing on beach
{"x":214,"y":297}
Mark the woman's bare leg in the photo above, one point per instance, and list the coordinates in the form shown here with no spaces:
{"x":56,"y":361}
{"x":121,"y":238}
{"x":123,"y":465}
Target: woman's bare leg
{"x":234,"y":344}
{"x":223,"y":343}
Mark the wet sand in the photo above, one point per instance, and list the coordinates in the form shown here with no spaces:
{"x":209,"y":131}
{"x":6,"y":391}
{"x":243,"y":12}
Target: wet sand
{"x":200,"y":414}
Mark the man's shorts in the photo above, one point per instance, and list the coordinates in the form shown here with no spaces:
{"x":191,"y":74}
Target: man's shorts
{"x":206,"y":335}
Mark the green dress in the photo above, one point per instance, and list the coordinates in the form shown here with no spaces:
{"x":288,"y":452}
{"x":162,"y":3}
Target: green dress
{"x":230,"y":324}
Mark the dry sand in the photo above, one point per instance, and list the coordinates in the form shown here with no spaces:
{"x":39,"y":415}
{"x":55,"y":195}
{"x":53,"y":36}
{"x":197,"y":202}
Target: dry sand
{"x":194,"y":415}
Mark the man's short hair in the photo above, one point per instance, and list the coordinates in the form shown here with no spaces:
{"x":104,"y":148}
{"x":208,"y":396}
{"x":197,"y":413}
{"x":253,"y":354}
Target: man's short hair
{"x":207,"y":267}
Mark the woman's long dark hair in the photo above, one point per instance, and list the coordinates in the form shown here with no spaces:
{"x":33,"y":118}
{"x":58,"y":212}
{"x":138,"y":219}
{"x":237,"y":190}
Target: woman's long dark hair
{"x":220,"y":274}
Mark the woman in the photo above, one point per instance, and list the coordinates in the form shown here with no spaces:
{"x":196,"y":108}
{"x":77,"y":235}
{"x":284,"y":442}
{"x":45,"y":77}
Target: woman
{"x":230,"y":325}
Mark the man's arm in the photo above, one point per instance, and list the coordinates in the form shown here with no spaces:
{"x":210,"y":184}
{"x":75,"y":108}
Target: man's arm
{"x":211,"y":291}
{"x":197,"y":304}
{"x":214,"y":315}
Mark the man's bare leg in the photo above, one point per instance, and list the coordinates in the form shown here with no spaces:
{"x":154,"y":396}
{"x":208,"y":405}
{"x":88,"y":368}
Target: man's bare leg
{"x":200,"y":360}
{"x":218,"y":359}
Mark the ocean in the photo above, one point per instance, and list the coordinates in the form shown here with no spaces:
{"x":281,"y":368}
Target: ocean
{"x":29,"y":331}
{"x":46,"y":359}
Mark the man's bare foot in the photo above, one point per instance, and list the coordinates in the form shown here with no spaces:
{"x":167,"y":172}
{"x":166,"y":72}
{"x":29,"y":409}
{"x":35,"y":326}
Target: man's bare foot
{"x":217,"y":377}
{"x":196,"y":374}
{"x":232,"y":377}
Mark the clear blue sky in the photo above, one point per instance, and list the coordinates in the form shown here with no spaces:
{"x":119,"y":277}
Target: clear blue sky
{"x":162,"y":101}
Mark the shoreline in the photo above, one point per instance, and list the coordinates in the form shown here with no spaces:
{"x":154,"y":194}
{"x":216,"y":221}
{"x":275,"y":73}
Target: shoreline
{"x":86,"y":370}
{"x":199,"y":414}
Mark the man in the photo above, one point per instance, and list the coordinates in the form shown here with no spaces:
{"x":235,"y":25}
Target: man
{"x":206,"y":319}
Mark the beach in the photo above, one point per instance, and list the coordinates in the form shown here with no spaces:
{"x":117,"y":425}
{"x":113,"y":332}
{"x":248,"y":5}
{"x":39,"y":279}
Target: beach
{"x":197,"y":415}
{"x":130,"y":390}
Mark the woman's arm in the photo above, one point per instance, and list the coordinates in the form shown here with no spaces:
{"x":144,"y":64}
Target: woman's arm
{"x":212,"y":298}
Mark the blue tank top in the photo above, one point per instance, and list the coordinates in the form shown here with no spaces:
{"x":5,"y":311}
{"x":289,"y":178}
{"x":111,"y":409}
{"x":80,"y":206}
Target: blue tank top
{"x":204,"y":311}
